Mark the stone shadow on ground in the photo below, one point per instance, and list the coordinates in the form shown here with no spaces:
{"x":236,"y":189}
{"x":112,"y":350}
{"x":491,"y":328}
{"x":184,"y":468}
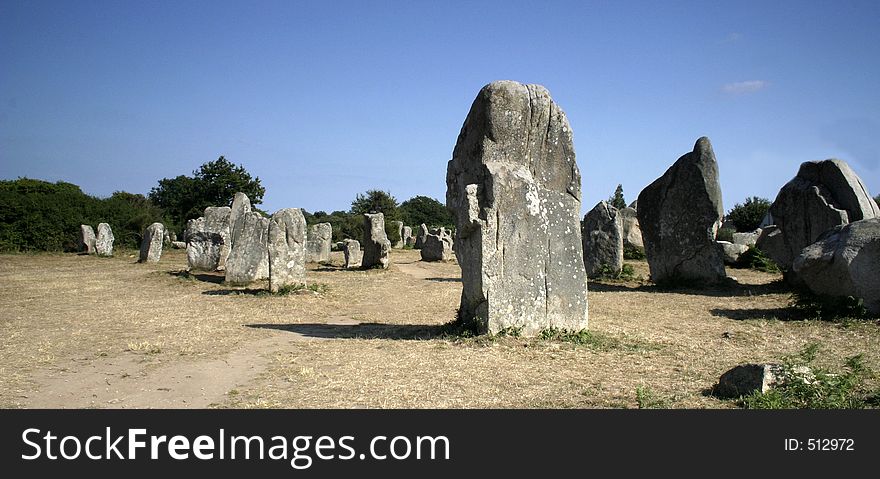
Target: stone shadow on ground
{"x":360,"y":331}
{"x":731,"y":288}
{"x":445,"y":280}
{"x":204,"y":277}
{"x":781,"y":314}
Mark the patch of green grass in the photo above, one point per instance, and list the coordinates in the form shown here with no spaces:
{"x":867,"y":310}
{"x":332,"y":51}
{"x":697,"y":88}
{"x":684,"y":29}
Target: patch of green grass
{"x":595,"y":340}
{"x":818,"y":389}
{"x":646,"y":399}
{"x":839,"y":309}
{"x":755,"y":259}
{"x":626,"y":273}
{"x":631,"y":252}
{"x":295,"y":288}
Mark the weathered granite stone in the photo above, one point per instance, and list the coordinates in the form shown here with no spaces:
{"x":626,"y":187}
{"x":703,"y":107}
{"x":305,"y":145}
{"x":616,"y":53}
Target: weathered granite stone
{"x":217,"y":221}
{"x":166,"y":237}
{"x":376,"y":247}
{"x":398,"y":226}
{"x":514,"y":187}
{"x":178,"y":245}
{"x":420,"y":236}
{"x":437,"y":248}
{"x":318,"y":246}
{"x":632,"y":234}
{"x":151,"y":245}
{"x":746,"y":379}
{"x":193,"y":226}
{"x":603,"y":240}
{"x":241,"y":208}
{"x":104,"y":240}
{"x":410,"y":242}
{"x":747,"y":239}
{"x":679,"y":214}
{"x":287,"y":249}
{"x":845,"y":261}
{"x":203,"y":250}
{"x":732,"y":251}
{"x":407,"y":234}
{"x":353,"y":254}
{"x":86,"y":239}
{"x":249,"y":250}
{"x":824,"y":194}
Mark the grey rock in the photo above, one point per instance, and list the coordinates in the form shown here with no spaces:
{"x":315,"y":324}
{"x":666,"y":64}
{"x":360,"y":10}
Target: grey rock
{"x":632,"y":233}
{"x":319,"y":238}
{"x":732,"y":251}
{"x":86,"y":239}
{"x":437,"y":248}
{"x":217,"y":220}
{"x":398,"y":225}
{"x":824,"y":194}
{"x":420,"y":236}
{"x":407,"y":234}
{"x":241,"y":209}
{"x":203,"y":250}
{"x":603,"y":240}
{"x":151,"y":245}
{"x":287,"y":249}
{"x":248,"y":259}
{"x":104,"y":240}
{"x":514,"y":187}
{"x":178,"y":245}
{"x":193,"y":226}
{"x":746,"y":379}
{"x":166,"y":237}
{"x":845,"y":261}
{"x":376,"y":247}
{"x":353,"y":254}
{"x":679,"y":214}
{"x":747,"y":239}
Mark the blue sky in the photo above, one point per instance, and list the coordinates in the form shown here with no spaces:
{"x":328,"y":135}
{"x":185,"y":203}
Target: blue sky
{"x":323,"y":100}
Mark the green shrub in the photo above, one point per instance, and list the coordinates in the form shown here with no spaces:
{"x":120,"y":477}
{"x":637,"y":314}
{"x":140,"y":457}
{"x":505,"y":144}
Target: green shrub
{"x":626,"y":273}
{"x":817,"y":388}
{"x":748,"y":216}
{"x":632,"y":252}
{"x":725,"y":234}
{"x":756,"y":259}
{"x":828,"y":308}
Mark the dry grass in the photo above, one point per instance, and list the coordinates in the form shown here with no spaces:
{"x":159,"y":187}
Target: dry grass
{"x":62,"y":313}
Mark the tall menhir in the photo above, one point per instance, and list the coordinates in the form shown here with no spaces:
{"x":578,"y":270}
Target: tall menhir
{"x":515,"y":189}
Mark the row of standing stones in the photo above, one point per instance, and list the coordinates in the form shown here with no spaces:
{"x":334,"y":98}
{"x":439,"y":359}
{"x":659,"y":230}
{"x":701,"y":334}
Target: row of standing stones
{"x":513,"y":185}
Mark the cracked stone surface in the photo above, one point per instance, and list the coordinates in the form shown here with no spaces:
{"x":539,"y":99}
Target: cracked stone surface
{"x":151,"y":245}
{"x":603,"y":240}
{"x":376,"y":247}
{"x":319,"y":237}
{"x":679,"y":215}
{"x":287,"y":248}
{"x":514,"y":187}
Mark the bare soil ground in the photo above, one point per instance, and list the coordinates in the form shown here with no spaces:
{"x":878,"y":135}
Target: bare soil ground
{"x":85,"y":332}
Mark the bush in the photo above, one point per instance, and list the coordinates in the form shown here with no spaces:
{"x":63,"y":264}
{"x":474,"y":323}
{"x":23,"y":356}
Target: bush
{"x":626,"y":273}
{"x":756,"y":259}
{"x":633,"y":252}
{"x":36,"y":215}
{"x":724,"y":234}
{"x":422,"y":209}
{"x":828,"y":308}
{"x":819,"y":388}
{"x":748,"y":216}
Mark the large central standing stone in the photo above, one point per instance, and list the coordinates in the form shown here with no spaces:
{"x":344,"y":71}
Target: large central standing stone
{"x":151,"y":245}
{"x":376,"y":246}
{"x":217,"y":221}
{"x":679,"y":214}
{"x":603,"y":240}
{"x":287,"y":249}
{"x":318,"y":243}
{"x":239,"y":217}
{"x":515,"y":190}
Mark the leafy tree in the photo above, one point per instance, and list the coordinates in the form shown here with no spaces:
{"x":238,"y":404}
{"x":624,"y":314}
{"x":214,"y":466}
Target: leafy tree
{"x":214,"y":184}
{"x":616,"y":200}
{"x":748,"y":216}
{"x":422,"y":209}
{"x":375,"y":201}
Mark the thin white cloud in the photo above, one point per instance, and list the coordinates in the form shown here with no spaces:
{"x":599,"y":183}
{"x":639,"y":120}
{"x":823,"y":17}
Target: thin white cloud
{"x":742,"y":87}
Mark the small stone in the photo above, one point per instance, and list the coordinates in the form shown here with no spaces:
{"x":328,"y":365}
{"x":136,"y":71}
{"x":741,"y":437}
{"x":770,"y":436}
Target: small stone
{"x":151,"y":245}
{"x":353,"y":255}
{"x":376,"y":247}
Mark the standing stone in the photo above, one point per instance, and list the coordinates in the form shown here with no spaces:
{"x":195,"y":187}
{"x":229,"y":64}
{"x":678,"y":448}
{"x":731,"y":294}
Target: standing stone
{"x":193,"y":226}
{"x":104,"y":240}
{"x":824,"y":194}
{"x":178,"y":245}
{"x":287,"y":249}
{"x":603,"y":240}
{"x":515,"y":190}
{"x":86,"y":239}
{"x":217,"y":220}
{"x":249,"y":250}
{"x":632,"y":233}
{"x":845,"y":261}
{"x":166,"y":237}
{"x":151,"y":245}
{"x":747,"y":239}
{"x":397,"y":226}
{"x":732,"y":251}
{"x":407,"y":234}
{"x":679,"y":214}
{"x":241,"y":208}
{"x":437,"y":247}
{"x":376,"y":246}
{"x":203,"y":250}
{"x":319,"y":239}
{"x":353,"y":254}
{"x":420,"y":237}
